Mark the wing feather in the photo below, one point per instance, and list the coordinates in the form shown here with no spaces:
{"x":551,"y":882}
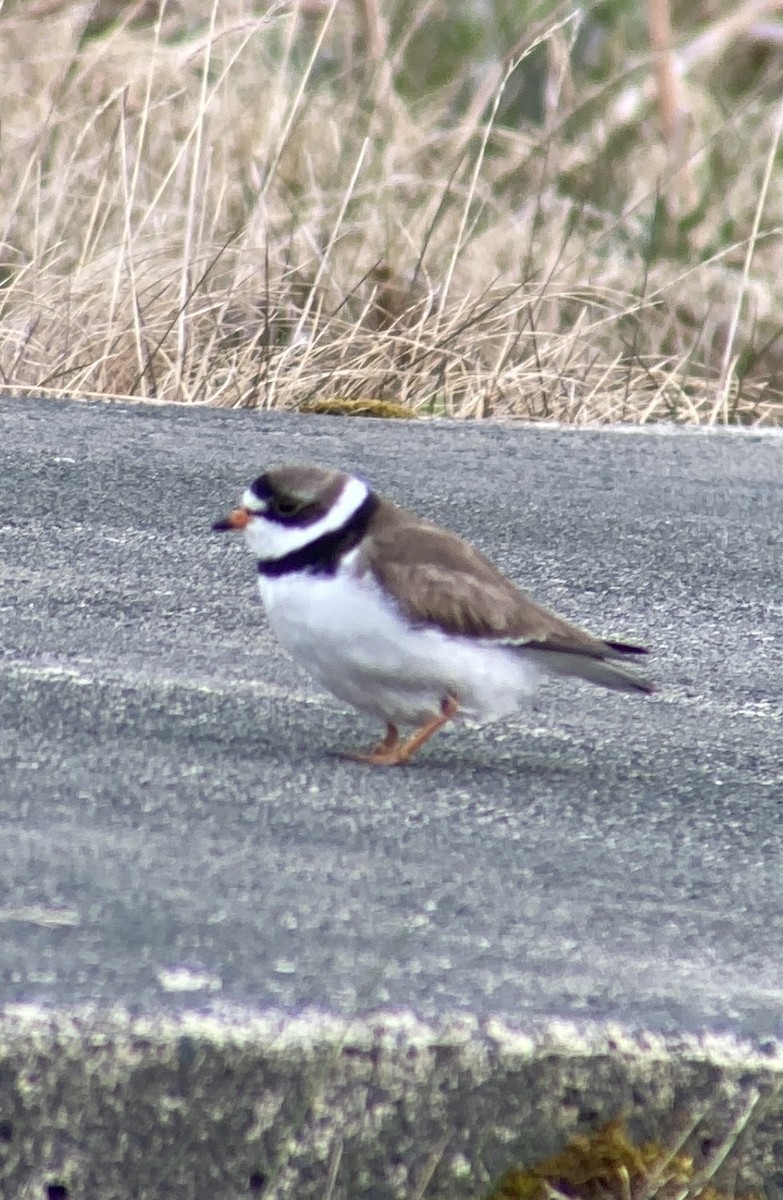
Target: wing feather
{"x":438,"y":579}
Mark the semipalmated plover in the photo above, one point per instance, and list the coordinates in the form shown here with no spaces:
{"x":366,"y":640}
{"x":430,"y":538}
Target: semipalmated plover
{"x":400,"y":618}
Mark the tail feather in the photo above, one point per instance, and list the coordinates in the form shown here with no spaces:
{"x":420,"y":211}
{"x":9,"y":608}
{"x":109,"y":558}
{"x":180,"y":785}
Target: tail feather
{"x":593,"y":670}
{"x":624,"y":648}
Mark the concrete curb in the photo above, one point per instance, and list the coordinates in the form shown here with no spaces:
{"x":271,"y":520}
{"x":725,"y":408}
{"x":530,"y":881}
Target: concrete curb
{"x":98,"y":1105}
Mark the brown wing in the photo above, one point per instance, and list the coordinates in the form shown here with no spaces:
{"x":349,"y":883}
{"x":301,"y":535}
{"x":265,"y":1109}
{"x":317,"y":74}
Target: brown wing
{"x":440,"y":580}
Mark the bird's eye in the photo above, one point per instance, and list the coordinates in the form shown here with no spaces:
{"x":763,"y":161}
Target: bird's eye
{"x":286,"y":506}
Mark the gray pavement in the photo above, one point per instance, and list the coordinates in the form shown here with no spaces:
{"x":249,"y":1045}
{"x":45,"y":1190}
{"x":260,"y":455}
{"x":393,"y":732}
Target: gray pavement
{"x":177,"y":837}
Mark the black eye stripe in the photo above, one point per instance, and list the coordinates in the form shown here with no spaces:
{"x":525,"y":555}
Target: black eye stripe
{"x":302,"y":514}
{"x":280,"y":508}
{"x":322,"y":557}
{"x":260,"y":488}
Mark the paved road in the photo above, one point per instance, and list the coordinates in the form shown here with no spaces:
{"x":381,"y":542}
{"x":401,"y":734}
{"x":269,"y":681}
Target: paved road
{"x":174,"y":827}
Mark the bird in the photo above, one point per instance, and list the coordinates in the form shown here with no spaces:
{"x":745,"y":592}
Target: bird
{"x":400,"y":618}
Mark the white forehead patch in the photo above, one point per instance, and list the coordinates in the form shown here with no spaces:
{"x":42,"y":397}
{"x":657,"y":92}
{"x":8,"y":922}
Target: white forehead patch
{"x":271,"y":539}
{"x":251,"y":501}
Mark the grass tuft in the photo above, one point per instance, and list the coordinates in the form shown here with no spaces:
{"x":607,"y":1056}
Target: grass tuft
{"x":608,"y":1165}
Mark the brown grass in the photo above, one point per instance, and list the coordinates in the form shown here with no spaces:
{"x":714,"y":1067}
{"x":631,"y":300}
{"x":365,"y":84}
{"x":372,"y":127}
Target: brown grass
{"x":253,"y":205}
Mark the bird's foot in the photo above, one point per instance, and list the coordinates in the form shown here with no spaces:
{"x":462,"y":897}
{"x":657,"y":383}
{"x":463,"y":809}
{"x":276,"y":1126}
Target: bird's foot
{"x":391,"y":752}
{"x":382,"y":748}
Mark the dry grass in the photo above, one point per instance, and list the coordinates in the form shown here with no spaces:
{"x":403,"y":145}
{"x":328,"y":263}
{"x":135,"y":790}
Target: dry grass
{"x":273,"y":205}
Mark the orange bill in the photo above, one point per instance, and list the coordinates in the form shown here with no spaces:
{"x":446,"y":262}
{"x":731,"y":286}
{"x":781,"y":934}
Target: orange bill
{"x":237,"y":519}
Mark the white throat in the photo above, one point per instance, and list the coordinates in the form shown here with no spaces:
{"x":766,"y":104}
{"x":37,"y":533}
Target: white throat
{"x":269,"y":539}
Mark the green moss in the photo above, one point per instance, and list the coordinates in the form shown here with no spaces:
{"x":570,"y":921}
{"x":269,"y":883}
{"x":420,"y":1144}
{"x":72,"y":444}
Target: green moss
{"x":607,"y":1165}
{"x":335,"y":406}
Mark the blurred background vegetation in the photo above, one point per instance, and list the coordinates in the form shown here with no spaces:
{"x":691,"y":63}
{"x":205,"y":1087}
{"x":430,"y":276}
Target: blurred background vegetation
{"x":474,"y":208}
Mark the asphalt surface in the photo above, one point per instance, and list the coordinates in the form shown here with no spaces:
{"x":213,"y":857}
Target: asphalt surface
{"x":176,"y":831}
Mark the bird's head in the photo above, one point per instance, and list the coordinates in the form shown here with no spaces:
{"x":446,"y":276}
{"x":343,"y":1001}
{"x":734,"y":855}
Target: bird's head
{"x":288,"y":507}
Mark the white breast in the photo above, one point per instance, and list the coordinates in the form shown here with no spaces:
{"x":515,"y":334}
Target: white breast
{"x":353,"y":639}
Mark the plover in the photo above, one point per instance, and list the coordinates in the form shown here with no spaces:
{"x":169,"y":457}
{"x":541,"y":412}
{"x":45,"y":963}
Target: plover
{"x":401,"y":618}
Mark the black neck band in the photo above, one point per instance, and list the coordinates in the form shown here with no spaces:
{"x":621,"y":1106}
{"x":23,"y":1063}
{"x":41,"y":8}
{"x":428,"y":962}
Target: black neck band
{"x":322,"y":557}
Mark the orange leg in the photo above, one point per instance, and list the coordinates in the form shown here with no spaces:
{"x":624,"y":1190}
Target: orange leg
{"x":388,"y":742}
{"x":392,"y":753}
{"x":384,"y":746}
